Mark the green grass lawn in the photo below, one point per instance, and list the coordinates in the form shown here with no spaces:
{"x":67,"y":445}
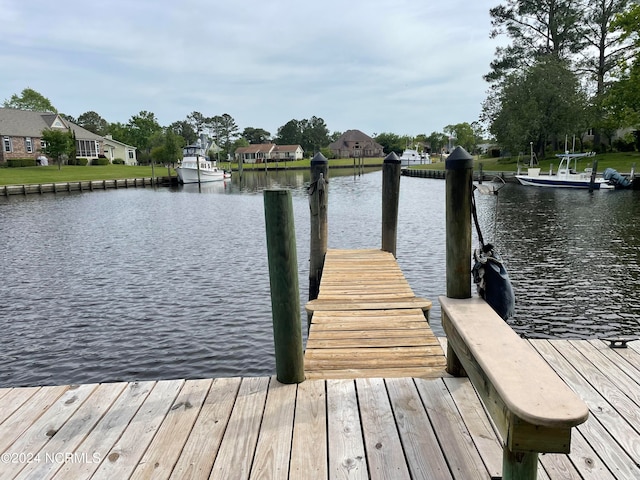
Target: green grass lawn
{"x":50,"y":174}
{"x":74,"y":173}
{"x":622,"y":162}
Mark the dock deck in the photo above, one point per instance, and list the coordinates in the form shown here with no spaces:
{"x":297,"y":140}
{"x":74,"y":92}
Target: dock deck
{"x":377,"y":403}
{"x":367,"y":322}
{"x":239,"y":428}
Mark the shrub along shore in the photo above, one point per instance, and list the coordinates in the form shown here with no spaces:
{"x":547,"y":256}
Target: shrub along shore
{"x":622,"y":162}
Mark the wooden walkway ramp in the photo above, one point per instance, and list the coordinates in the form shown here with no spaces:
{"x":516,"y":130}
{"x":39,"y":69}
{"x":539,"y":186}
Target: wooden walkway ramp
{"x":257,"y":428}
{"x":367,"y":322}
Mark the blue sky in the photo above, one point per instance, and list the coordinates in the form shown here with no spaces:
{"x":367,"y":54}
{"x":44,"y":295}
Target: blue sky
{"x":401,"y":66}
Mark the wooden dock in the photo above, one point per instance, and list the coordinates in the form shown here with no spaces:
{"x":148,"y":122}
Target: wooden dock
{"x":233,"y":428}
{"x":376,"y":404}
{"x":367,"y":322}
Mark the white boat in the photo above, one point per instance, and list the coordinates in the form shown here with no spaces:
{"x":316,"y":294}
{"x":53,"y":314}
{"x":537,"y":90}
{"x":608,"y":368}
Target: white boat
{"x":195,"y":167}
{"x":567,"y":175}
{"x":413,"y":156}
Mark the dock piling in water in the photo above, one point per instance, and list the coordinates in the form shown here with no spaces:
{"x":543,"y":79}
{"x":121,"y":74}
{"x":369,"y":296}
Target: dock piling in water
{"x":390,"y":199}
{"x":459,"y":167}
{"x":318,"y":201}
{"x":283,"y":278}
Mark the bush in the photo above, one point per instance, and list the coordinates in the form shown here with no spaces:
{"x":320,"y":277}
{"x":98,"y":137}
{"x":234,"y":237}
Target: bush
{"x":21,"y":162}
{"x":625,"y":144}
{"x":118,"y":161}
{"x":100,"y":161}
{"x":78,"y":161}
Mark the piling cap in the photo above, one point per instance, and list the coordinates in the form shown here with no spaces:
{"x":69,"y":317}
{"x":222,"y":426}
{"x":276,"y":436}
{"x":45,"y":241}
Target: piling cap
{"x":459,"y":159}
{"x":392,"y":158}
{"x":319,"y":159}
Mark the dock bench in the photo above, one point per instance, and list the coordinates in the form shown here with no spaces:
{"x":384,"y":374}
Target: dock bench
{"x":531,"y":407}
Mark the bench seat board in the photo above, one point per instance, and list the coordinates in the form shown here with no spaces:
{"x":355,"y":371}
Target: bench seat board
{"x":532,"y":407}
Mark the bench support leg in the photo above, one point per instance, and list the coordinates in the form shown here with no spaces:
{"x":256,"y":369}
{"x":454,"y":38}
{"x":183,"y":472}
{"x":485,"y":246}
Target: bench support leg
{"x":454,"y":367}
{"x":520,"y":465}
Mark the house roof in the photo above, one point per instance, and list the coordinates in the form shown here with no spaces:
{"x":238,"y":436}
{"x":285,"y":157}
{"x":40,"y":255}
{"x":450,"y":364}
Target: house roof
{"x":267,"y":148}
{"x":287,"y":148}
{"x":25,"y":123}
{"x":351,"y":136}
{"x":109,"y":140}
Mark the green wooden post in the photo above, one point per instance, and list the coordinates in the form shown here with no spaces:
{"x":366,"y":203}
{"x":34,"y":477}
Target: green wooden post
{"x":318,"y":200}
{"x":458,"y":191}
{"x":390,"y":200}
{"x":519,"y":465}
{"x":283,"y":278}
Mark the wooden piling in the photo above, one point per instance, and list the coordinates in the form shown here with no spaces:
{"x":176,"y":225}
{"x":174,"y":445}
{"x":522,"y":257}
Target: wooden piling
{"x":318,"y":200}
{"x":594,"y":169}
{"x":390,"y":199}
{"x":458,"y":191}
{"x":459,"y":167}
{"x":283,"y":278}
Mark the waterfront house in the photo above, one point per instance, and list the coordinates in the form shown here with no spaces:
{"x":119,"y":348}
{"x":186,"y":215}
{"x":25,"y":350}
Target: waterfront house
{"x":114,"y":149}
{"x":268,"y":152}
{"x":356,"y":144}
{"x":21,"y":134}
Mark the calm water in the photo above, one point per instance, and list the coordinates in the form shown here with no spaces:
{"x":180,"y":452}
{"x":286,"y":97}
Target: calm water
{"x":173,"y":283}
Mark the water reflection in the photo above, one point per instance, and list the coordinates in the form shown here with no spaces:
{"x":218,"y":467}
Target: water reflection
{"x":573,"y":257}
{"x":173,"y":282}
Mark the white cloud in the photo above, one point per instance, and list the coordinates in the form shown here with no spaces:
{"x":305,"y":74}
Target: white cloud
{"x":398,"y":66}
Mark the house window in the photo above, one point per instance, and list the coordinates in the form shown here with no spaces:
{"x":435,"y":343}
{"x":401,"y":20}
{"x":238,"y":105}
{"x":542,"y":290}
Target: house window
{"x":87,"y":148}
{"x":7,"y":144}
{"x":130,"y":154}
{"x":28,"y":145}
{"x":43,"y":144}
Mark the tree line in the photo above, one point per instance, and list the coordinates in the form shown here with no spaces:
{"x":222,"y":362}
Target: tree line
{"x":164,"y":144}
{"x":571,"y":67}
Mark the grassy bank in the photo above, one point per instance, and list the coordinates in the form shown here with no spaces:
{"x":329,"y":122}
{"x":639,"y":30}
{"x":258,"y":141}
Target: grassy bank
{"x":50,"y":174}
{"x":622,"y":162}
{"x":73,"y":173}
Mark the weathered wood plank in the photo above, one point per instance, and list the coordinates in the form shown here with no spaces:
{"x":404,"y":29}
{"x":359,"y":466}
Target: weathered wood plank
{"x":319,"y":305}
{"x":238,"y":445}
{"x":271,"y":459}
{"x":347,"y":456}
{"x":101,"y":439}
{"x":387,"y":372}
{"x":608,"y":424}
{"x":405,"y":341}
{"x":309,"y":446}
{"x":390,"y":333}
{"x":200,"y":450}
{"x":23,"y":418}
{"x":14,"y":398}
{"x":382,"y":442}
{"x":478,"y":423}
{"x":161,"y":456}
{"x":123,"y":457}
{"x":421,"y":448}
{"x":31,"y":441}
{"x":52,"y":445}
{"x":460,"y":452}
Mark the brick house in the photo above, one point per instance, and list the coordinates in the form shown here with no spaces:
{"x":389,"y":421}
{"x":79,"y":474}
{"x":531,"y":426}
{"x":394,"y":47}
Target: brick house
{"x":268,"y":152}
{"x":21,"y":134}
{"x":354,"y":143}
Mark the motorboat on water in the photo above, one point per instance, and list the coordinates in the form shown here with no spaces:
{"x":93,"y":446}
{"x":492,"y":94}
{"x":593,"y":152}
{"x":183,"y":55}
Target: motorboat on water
{"x":410,"y":156}
{"x":567,"y":175}
{"x":195,"y":167}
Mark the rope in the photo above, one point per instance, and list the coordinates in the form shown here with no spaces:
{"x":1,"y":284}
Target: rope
{"x":475,"y":218}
